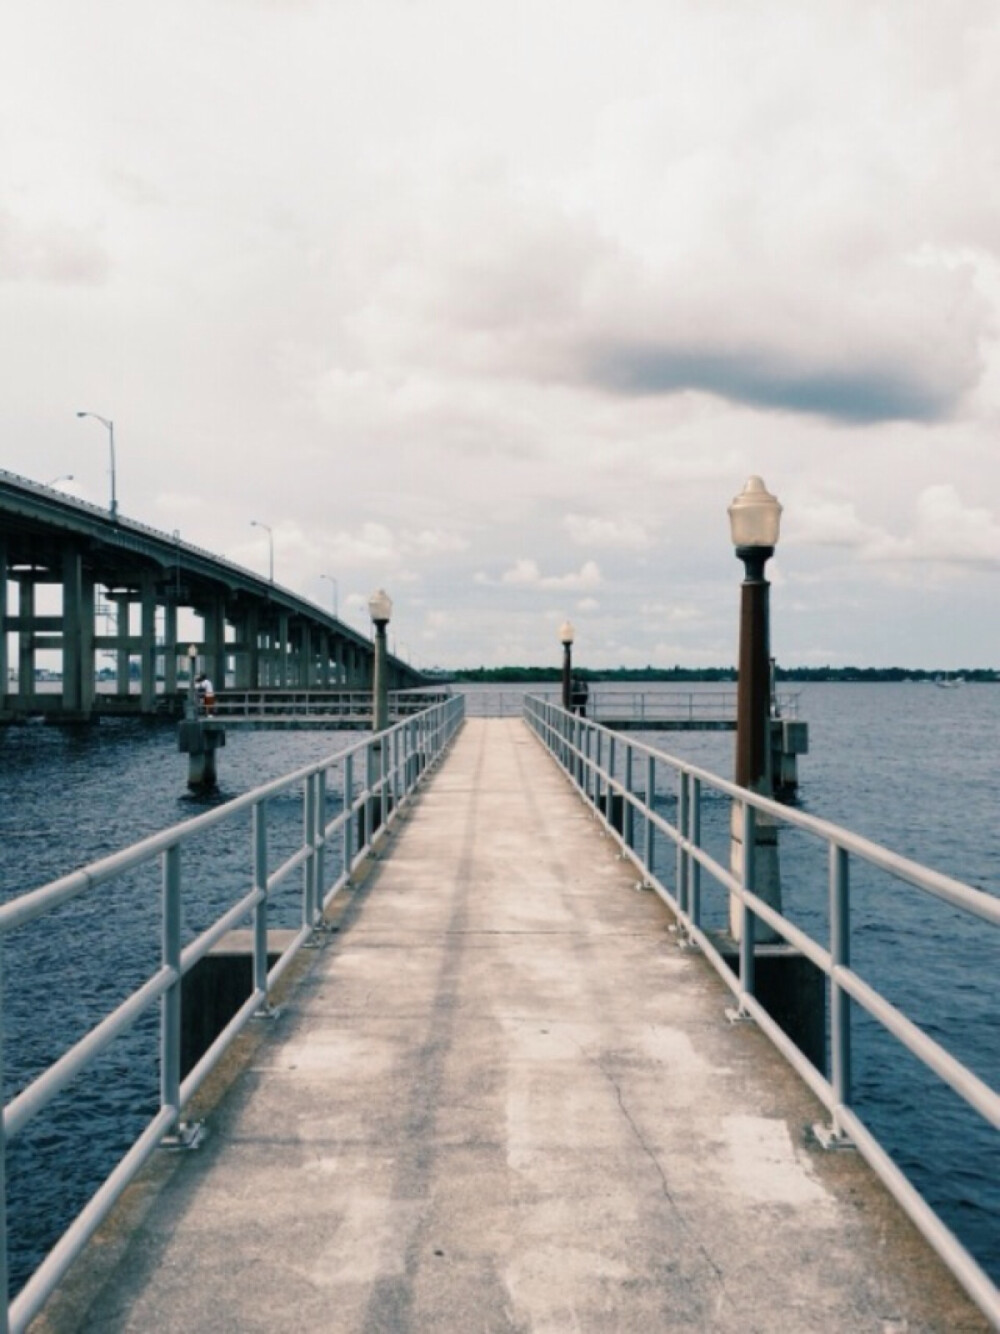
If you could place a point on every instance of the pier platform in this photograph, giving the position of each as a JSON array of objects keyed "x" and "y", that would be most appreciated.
[{"x": 502, "y": 1099}]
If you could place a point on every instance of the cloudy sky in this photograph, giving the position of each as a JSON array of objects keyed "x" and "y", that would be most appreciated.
[{"x": 498, "y": 305}]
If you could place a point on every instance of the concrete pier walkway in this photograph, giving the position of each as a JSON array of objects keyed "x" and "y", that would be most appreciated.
[{"x": 503, "y": 1100}]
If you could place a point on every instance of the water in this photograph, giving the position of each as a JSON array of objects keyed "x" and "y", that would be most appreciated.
[{"x": 909, "y": 766}]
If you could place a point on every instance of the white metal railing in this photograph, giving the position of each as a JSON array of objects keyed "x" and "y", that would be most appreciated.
[
  {"x": 368, "y": 783},
  {"x": 270, "y": 703},
  {"x": 618, "y": 776}
]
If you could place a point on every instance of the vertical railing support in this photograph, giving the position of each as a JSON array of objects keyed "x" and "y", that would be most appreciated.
[
  {"x": 840, "y": 1001},
  {"x": 309, "y": 842},
  {"x": 694, "y": 866},
  {"x": 259, "y": 830},
  {"x": 609, "y": 790},
  {"x": 170, "y": 1004},
  {"x": 627, "y": 811},
  {"x": 320, "y": 828},
  {"x": 647, "y": 854},
  {"x": 683, "y": 821},
  {"x": 747, "y": 919},
  {"x": 347, "y": 799}
]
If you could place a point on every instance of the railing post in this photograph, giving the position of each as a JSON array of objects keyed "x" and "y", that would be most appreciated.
[
  {"x": 320, "y": 826},
  {"x": 647, "y": 856},
  {"x": 627, "y": 811},
  {"x": 309, "y": 841},
  {"x": 747, "y": 919},
  {"x": 683, "y": 820},
  {"x": 609, "y": 794},
  {"x": 694, "y": 866},
  {"x": 347, "y": 805},
  {"x": 840, "y": 957},
  {"x": 170, "y": 1005},
  {"x": 260, "y": 910}
]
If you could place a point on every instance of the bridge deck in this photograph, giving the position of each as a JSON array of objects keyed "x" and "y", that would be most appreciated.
[{"x": 503, "y": 1100}]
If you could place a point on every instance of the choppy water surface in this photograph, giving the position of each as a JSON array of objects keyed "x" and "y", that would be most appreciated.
[{"x": 910, "y": 766}]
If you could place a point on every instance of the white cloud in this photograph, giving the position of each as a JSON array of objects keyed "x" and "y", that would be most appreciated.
[
  {"x": 525, "y": 573},
  {"x": 593, "y": 531}
]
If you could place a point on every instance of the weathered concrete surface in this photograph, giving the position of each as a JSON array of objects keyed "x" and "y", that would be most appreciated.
[{"x": 502, "y": 1100}]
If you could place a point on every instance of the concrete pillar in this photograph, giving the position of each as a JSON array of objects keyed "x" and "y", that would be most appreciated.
[
  {"x": 88, "y": 657},
  {"x": 122, "y": 626},
  {"x": 306, "y": 667},
  {"x": 324, "y": 659},
  {"x": 252, "y": 640},
  {"x": 72, "y": 624},
  {"x": 4, "y": 662},
  {"x": 283, "y": 651},
  {"x": 170, "y": 649},
  {"x": 147, "y": 644},
  {"x": 26, "y": 636},
  {"x": 214, "y": 620}
]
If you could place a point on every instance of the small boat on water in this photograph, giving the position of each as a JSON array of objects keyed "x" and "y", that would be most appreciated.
[{"x": 949, "y": 682}]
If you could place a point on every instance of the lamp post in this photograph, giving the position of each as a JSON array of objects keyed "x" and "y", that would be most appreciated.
[
  {"x": 754, "y": 518},
  {"x": 63, "y": 477},
  {"x": 110, "y": 427},
  {"x": 380, "y": 609},
  {"x": 566, "y": 639},
  {"x": 256, "y": 523},
  {"x": 336, "y": 591}
]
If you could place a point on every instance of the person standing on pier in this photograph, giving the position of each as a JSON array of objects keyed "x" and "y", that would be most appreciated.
[{"x": 206, "y": 692}]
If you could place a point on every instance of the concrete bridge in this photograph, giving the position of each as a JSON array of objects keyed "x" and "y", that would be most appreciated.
[
  {"x": 254, "y": 633},
  {"x": 498, "y": 1096}
]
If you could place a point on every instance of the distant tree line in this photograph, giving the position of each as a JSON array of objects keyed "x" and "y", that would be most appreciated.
[{"x": 516, "y": 675}]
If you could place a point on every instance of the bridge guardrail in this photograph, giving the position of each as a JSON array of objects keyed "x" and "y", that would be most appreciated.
[
  {"x": 612, "y": 771},
  {"x": 373, "y": 779}
]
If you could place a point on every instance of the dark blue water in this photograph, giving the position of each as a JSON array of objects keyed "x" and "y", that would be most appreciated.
[{"x": 909, "y": 766}]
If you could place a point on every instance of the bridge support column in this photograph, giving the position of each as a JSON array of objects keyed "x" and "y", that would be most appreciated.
[
  {"x": 283, "y": 651},
  {"x": 26, "y": 636},
  {"x": 170, "y": 649},
  {"x": 88, "y": 657},
  {"x": 324, "y": 659},
  {"x": 78, "y": 663},
  {"x": 123, "y": 604},
  {"x": 214, "y": 630},
  {"x": 307, "y": 670},
  {"x": 147, "y": 645},
  {"x": 4, "y": 661}
]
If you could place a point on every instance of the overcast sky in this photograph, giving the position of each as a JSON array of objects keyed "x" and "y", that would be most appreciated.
[{"x": 498, "y": 306}]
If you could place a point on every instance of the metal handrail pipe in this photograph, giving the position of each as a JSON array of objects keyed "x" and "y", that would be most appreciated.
[
  {"x": 976, "y": 1283},
  {"x": 33, "y": 1296},
  {"x": 958, "y": 1077},
  {"x": 204, "y": 943},
  {"x": 282, "y": 872},
  {"x": 945, "y": 887},
  {"x": 40, "y": 1092}
]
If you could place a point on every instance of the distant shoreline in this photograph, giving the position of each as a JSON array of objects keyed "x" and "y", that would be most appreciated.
[{"x": 673, "y": 675}]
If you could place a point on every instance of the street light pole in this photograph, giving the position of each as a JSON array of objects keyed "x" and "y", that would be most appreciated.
[
  {"x": 255, "y": 523},
  {"x": 566, "y": 639},
  {"x": 380, "y": 608},
  {"x": 110, "y": 427},
  {"x": 755, "y": 517}
]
